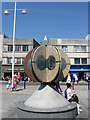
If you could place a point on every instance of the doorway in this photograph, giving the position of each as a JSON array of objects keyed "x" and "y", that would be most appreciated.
[{"x": 81, "y": 75}]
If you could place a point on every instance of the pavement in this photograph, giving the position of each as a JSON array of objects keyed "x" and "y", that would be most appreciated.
[{"x": 9, "y": 99}]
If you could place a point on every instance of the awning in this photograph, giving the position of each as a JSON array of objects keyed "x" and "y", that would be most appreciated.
[{"x": 80, "y": 69}]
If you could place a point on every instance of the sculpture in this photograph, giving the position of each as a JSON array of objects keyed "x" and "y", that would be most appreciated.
[{"x": 47, "y": 64}]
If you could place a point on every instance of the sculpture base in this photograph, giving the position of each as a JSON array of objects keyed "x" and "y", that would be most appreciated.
[
  {"x": 26, "y": 112},
  {"x": 46, "y": 102}
]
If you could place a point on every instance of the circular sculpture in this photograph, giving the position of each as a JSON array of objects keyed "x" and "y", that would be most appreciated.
[
  {"x": 44, "y": 64},
  {"x": 47, "y": 64},
  {"x": 28, "y": 66}
]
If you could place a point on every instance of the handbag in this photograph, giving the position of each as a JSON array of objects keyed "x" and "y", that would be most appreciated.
[{"x": 75, "y": 82}]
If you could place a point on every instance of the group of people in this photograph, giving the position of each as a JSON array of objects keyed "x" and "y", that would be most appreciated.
[
  {"x": 72, "y": 79},
  {"x": 16, "y": 80}
]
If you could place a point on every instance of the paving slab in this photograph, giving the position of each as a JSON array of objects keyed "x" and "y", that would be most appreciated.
[{"x": 8, "y": 107}]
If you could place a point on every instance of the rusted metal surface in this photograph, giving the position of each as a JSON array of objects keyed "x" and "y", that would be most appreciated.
[{"x": 27, "y": 70}]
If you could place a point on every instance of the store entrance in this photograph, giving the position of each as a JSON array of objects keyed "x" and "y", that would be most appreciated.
[
  {"x": 81, "y": 75},
  {"x": 9, "y": 74}
]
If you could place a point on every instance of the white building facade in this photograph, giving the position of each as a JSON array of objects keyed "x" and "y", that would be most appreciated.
[
  {"x": 22, "y": 47},
  {"x": 78, "y": 51}
]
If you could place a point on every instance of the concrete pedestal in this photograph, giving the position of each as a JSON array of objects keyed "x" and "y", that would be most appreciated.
[{"x": 46, "y": 102}]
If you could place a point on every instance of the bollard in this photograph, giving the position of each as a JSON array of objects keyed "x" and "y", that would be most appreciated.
[
  {"x": 72, "y": 85},
  {"x": 24, "y": 83},
  {"x": 88, "y": 84}
]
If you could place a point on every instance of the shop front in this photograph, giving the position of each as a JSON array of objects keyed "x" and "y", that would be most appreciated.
[
  {"x": 7, "y": 71},
  {"x": 81, "y": 70}
]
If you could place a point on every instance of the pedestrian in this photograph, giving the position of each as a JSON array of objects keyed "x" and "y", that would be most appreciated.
[
  {"x": 25, "y": 79},
  {"x": 72, "y": 81},
  {"x": 29, "y": 79},
  {"x": 87, "y": 78},
  {"x": 8, "y": 86},
  {"x": 76, "y": 79},
  {"x": 69, "y": 78},
  {"x": 3, "y": 78},
  {"x": 15, "y": 81},
  {"x": 6, "y": 78},
  {"x": 59, "y": 88},
  {"x": 19, "y": 78}
]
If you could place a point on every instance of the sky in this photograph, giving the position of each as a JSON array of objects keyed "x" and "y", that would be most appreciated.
[{"x": 54, "y": 19}]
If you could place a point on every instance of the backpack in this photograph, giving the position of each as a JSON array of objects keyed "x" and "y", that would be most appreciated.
[
  {"x": 66, "y": 93},
  {"x": 75, "y": 98}
]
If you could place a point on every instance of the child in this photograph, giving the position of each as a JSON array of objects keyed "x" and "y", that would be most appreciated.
[{"x": 9, "y": 84}]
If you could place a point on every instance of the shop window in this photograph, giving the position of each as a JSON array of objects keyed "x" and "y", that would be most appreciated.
[
  {"x": 77, "y": 60},
  {"x": 10, "y": 48},
  {"x": 84, "y": 60},
  {"x": 25, "y": 47}
]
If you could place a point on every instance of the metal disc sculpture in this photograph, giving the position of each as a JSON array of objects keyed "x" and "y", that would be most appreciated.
[{"x": 47, "y": 64}]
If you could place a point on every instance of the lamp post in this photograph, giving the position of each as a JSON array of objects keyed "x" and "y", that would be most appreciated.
[{"x": 7, "y": 13}]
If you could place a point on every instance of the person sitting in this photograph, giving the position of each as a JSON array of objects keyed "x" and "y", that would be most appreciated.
[
  {"x": 72, "y": 97},
  {"x": 69, "y": 78},
  {"x": 69, "y": 92}
]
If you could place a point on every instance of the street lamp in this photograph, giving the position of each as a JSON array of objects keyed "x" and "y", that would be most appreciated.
[{"x": 7, "y": 13}]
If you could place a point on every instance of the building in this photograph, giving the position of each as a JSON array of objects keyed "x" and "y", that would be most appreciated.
[
  {"x": 22, "y": 47},
  {"x": 78, "y": 50}
]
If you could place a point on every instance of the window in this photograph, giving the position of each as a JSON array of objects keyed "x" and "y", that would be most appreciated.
[
  {"x": 8, "y": 60},
  {"x": 84, "y": 60},
  {"x": 83, "y": 48},
  {"x": 25, "y": 47},
  {"x": 18, "y": 61},
  {"x": 10, "y": 48},
  {"x": 22, "y": 60},
  {"x": 64, "y": 48},
  {"x": 77, "y": 60},
  {"x": 77, "y": 48},
  {"x": 17, "y": 47}
]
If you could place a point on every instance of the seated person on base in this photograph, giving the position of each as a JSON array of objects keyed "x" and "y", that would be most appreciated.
[{"x": 72, "y": 97}]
